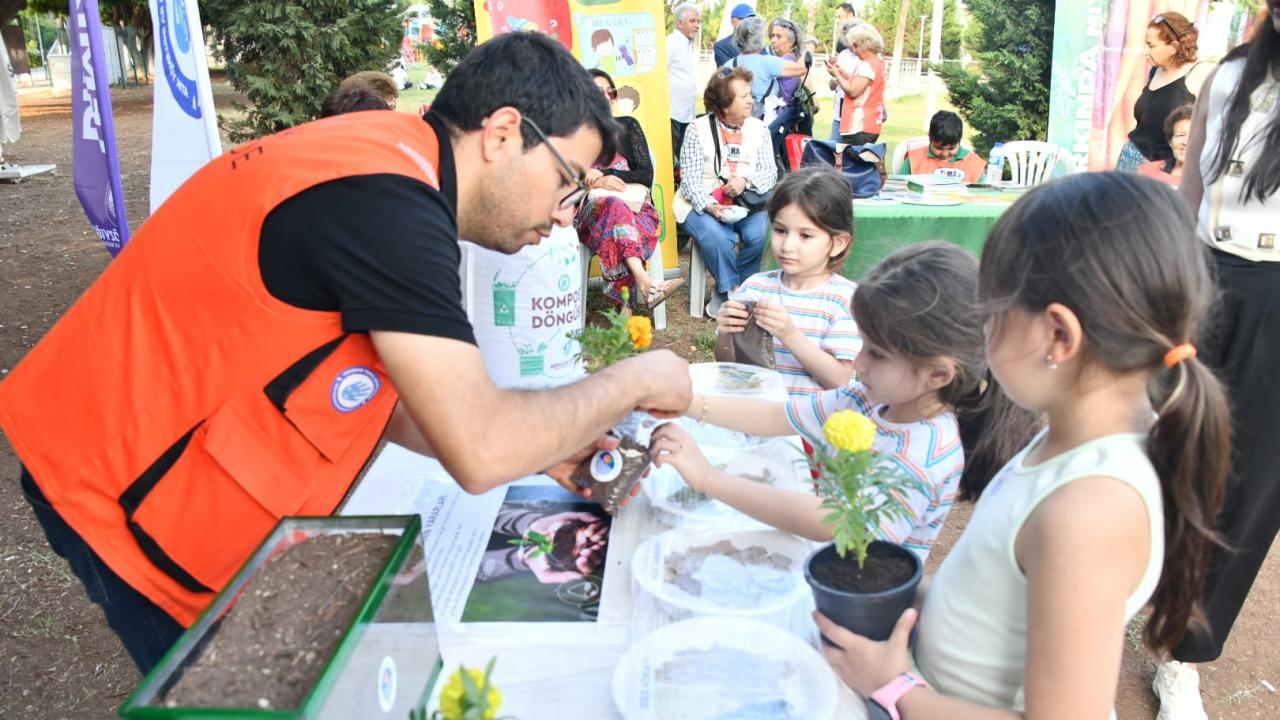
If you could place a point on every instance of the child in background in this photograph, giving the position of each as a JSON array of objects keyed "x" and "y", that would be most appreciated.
[
  {"x": 1095, "y": 285},
  {"x": 921, "y": 380},
  {"x": 805, "y": 304}
]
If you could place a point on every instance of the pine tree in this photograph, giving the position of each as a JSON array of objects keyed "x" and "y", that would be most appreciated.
[
  {"x": 1009, "y": 100},
  {"x": 285, "y": 57},
  {"x": 454, "y": 32}
]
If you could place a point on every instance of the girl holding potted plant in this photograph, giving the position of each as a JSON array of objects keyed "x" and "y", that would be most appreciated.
[
  {"x": 921, "y": 381},
  {"x": 1095, "y": 285}
]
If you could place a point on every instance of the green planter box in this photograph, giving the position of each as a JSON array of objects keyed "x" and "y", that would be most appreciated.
[{"x": 385, "y": 664}]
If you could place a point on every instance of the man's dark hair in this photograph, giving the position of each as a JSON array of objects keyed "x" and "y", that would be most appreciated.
[
  {"x": 847, "y": 8},
  {"x": 945, "y": 128},
  {"x": 533, "y": 74}
]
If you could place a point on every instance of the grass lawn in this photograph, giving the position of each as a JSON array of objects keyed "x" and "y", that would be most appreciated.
[{"x": 410, "y": 100}]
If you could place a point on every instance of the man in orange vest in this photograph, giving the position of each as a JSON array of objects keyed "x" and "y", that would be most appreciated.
[
  {"x": 293, "y": 303},
  {"x": 944, "y": 150}
]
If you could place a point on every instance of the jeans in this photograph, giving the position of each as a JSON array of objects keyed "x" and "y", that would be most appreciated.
[
  {"x": 146, "y": 631},
  {"x": 717, "y": 242},
  {"x": 789, "y": 121}
]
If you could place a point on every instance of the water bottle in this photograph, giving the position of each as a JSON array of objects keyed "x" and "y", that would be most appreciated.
[{"x": 995, "y": 164}]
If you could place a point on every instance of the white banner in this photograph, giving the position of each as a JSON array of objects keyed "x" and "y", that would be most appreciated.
[
  {"x": 185, "y": 132},
  {"x": 10, "y": 126}
]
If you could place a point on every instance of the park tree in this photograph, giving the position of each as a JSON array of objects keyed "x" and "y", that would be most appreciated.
[
  {"x": 1009, "y": 98},
  {"x": 285, "y": 57},
  {"x": 453, "y": 32},
  {"x": 884, "y": 16}
]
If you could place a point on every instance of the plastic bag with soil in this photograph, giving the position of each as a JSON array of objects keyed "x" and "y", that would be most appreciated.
[
  {"x": 752, "y": 346},
  {"x": 610, "y": 474}
]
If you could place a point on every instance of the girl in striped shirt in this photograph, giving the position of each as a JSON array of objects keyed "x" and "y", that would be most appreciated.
[
  {"x": 805, "y": 304},
  {"x": 923, "y": 380}
]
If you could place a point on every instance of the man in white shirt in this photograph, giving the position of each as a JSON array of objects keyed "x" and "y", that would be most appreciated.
[{"x": 680, "y": 68}]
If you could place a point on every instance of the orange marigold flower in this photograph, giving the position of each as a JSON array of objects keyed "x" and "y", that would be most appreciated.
[{"x": 641, "y": 331}]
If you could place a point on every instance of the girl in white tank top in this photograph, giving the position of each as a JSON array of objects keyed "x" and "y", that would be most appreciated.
[{"x": 1094, "y": 284}]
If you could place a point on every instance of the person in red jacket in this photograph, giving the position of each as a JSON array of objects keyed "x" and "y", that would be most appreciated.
[{"x": 242, "y": 357}]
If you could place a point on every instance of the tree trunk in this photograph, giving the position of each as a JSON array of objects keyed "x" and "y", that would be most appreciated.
[
  {"x": 811, "y": 19},
  {"x": 9, "y": 10},
  {"x": 898, "y": 37}
]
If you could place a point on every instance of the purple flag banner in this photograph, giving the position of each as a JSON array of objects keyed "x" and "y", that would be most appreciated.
[{"x": 94, "y": 161}]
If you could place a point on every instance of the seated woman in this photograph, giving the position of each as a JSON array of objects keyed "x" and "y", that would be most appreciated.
[
  {"x": 623, "y": 238},
  {"x": 726, "y": 153},
  {"x": 1177, "y": 128}
]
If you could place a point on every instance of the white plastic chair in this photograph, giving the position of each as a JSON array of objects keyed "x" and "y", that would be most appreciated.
[
  {"x": 697, "y": 281},
  {"x": 904, "y": 147},
  {"x": 657, "y": 271},
  {"x": 1031, "y": 162}
]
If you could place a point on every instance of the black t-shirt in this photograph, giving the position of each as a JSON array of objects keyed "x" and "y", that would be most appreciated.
[
  {"x": 382, "y": 250},
  {"x": 1151, "y": 110}
]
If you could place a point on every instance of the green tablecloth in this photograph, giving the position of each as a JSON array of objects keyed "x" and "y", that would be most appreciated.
[{"x": 881, "y": 228}]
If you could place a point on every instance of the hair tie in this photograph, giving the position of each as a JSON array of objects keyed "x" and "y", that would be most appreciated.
[{"x": 1185, "y": 351}]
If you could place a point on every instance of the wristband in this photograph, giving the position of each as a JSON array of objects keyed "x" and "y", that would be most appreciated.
[
  {"x": 887, "y": 697},
  {"x": 702, "y": 416}
]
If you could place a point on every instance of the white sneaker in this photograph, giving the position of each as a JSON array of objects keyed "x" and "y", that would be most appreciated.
[
  {"x": 1178, "y": 687},
  {"x": 713, "y": 307}
]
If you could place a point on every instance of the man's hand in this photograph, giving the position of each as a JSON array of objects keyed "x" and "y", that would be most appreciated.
[
  {"x": 562, "y": 472},
  {"x": 663, "y": 379}
]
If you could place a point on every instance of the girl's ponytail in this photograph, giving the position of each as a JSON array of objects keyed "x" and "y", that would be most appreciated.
[
  {"x": 992, "y": 430},
  {"x": 1190, "y": 447}
]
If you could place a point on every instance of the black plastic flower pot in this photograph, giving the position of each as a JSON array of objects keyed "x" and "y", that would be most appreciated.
[{"x": 870, "y": 614}]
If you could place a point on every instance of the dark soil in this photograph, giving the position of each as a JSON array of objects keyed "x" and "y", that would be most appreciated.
[
  {"x": 270, "y": 649},
  {"x": 884, "y": 569},
  {"x": 635, "y": 460}
]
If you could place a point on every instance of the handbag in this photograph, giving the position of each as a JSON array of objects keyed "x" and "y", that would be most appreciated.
[
  {"x": 859, "y": 164},
  {"x": 752, "y": 200}
]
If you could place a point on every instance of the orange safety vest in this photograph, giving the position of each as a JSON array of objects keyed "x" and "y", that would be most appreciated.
[
  {"x": 178, "y": 410},
  {"x": 923, "y": 164},
  {"x": 866, "y": 116}
]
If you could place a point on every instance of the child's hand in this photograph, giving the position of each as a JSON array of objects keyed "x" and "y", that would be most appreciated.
[
  {"x": 775, "y": 319},
  {"x": 673, "y": 445},
  {"x": 732, "y": 317},
  {"x": 866, "y": 665}
]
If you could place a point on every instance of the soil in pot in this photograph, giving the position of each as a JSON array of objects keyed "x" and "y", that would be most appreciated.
[
  {"x": 883, "y": 570},
  {"x": 268, "y": 651}
]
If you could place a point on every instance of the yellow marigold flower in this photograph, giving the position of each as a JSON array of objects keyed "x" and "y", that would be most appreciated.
[
  {"x": 641, "y": 331},
  {"x": 453, "y": 696},
  {"x": 849, "y": 430}
]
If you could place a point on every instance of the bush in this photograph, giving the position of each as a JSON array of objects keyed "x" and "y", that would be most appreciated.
[
  {"x": 287, "y": 56},
  {"x": 1010, "y": 99}
]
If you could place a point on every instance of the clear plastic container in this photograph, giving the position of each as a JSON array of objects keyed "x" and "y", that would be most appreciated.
[{"x": 384, "y": 666}]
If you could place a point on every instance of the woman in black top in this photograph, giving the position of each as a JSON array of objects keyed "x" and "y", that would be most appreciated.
[{"x": 1171, "y": 48}]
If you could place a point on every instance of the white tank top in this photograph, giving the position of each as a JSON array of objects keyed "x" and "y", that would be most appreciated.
[
  {"x": 972, "y": 642},
  {"x": 1227, "y": 222}
]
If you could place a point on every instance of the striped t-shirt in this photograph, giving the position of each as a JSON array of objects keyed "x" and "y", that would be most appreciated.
[
  {"x": 928, "y": 449},
  {"x": 824, "y": 314}
]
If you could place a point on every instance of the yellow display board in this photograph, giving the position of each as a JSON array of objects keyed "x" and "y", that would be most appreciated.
[{"x": 625, "y": 38}]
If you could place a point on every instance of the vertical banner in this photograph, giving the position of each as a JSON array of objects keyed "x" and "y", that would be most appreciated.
[
  {"x": 625, "y": 38},
  {"x": 10, "y": 122},
  {"x": 184, "y": 133},
  {"x": 1100, "y": 67},
  {"x": 94, "y": 161}
]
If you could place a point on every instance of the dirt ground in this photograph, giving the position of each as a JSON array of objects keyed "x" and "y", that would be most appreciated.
[{"x": 57, "y": 657}]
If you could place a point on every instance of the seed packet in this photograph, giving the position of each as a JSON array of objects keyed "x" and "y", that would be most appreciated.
[{"x": 611, "y": 474}]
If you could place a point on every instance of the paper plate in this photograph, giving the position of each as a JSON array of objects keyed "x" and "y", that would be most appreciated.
[
  {"x": 748, "y": 573},
  {"x": 706, "y": 668},
  {"x": 679, "y": 503}
]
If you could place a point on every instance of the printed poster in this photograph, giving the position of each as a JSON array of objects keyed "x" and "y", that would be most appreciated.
[
  {"x": 1100, "y": 67},
  {"x": 625, "y": 38}
]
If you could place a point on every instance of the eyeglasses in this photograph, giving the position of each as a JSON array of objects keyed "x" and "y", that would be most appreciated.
[
  {"x": 578, "y": 195},
  {"x": 1162, "y": 20}
]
